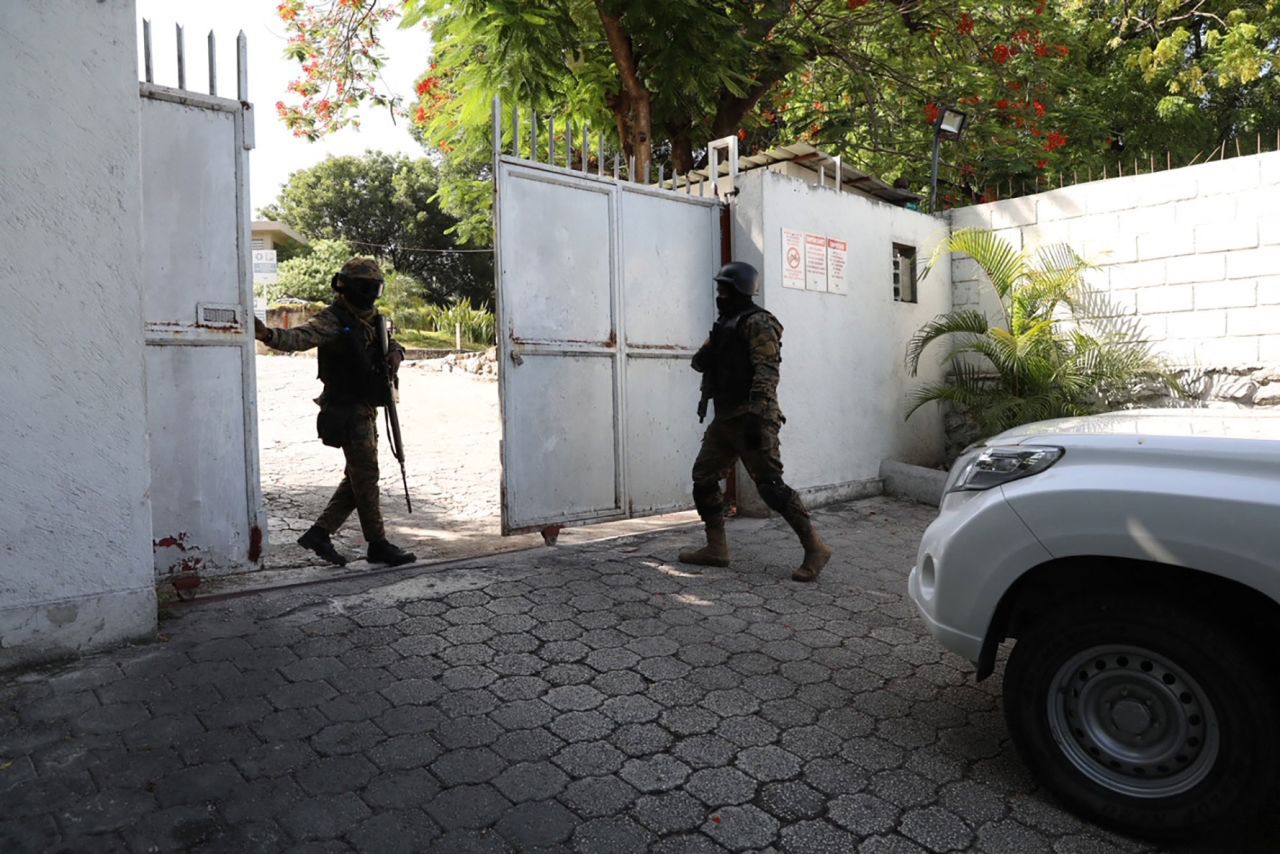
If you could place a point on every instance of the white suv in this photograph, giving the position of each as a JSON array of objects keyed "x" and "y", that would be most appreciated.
[{"x": 1135, "y": 557}]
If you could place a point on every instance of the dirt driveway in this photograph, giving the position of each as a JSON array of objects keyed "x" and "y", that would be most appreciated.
[{"x": 451, "y": 430}]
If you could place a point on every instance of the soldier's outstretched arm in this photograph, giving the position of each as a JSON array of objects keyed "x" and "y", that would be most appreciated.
[
  {"x": 325, "y": 326},
  {"x": 764, "y": 343}
]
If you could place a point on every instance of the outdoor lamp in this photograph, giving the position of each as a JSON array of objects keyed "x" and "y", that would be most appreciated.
[{"x": 949, "y": 125}]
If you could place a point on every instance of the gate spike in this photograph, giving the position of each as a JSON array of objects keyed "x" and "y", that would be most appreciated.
[
  {"x": 586, "y": 150},
  {"x": 515, "y": 130},
  {"x": 600, "y": 154},
  {"x": 631, "y": 168},
  {"x": 533, "y": 136},
  {"x": 551, "y": 140},
  {"x": 496, "y": 120},
  {"x": 617, "y": 166},
  {"x": 146, "y": 50},
  {"x": 242, "y": 67},
  {"x": 568, "y": 144},
  {"x": 182, "y": 58},
  {"x": 213, "y": 65}
]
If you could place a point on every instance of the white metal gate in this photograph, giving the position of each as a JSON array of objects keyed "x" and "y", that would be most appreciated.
[
  {"x": 207, "y": 513},
  {"x": 604, "y": 293}
]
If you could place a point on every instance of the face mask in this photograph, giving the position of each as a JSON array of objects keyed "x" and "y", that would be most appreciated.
[
  {"x": 732, "y": 304},
  {"x": 362, "y": 293}
]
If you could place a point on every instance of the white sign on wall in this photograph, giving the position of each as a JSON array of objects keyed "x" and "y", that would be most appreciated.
[
  {"x": 815, "y": 262},
  {"x": 837, "y": 254},
  {"x": 264, "y": 266},
  {"x": 792, "y": 259}
]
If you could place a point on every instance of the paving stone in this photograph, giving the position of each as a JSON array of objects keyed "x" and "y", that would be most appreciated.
[
  {"x": 395, "y": 831},
  {"x": 345, "y": 738},
  {"x": 531, "y": 781},
  {"x": 405, "y": 751},
  {"x": 527, "y": 745},
  {"x": 271, "y": 759},
  {"x": 262, "y": 800},
  {"x": 336, "y": 774},
  {"x": 523, "y": 714},
  {"x": 718, "y": 787},
  {"x": 538, "y": 823},
  {"x": 114, "y": 718},
  {"x": 324, "y": 817},
  {"x": 467, "y": 807},
  {"x": 657, "y": 774},
  {"x": 575, "y": 698},
  {"x": 618, "y": 683},
  {"x": 687, "y": 843},
  {"x": 936, "y": 829},
  {"x": 410, "y": 789},
  {"x": 472, "y": 731},
  {"x": 408, "y": 720},
  {"x": 891, "y": 845},
  {"x": 768, "y": 763},
  {"x": 748, "y": 731},
  {"x": 106, "y": 811},
  {"x": 641, "y": 739},
  {"x": 864, "y": 814},
  {"x": 741, "y": 827},
  {"x": 671, "y": 812},
  {"x": 1007, "y": 837},
  {"x": 417, "y": 692},
  {"x": 631, "y": 709},
  {"x": 592, "y": 797},
  {"x": 792, "y": 801},
  {"x": 582, "y": 726},
  {"x": 616, "y": 835},
  {"x": 467, "y": 765},
  {"x": 198, "y": 784},
  {"x": 185, "y": 828},
  {"x": 590, "y": 759},
  {"x": 468, "y": 702},
  {"x": 689, "y": 720}
]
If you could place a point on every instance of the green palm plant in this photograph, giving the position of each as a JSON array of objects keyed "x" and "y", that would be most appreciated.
[{"x": 1063, "y": 350}]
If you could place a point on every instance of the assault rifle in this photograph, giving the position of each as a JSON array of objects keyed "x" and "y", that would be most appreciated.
[
  {"x": 393, "y": 417},
  {"x": 701, "y": 364}
]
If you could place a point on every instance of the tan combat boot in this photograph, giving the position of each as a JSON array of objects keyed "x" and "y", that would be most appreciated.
[
  {"x": 714, "y": 553},
  {"x": 816, "y": 555}
]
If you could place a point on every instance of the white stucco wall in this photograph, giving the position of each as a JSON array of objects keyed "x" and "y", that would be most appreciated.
[
  {"x": 75, "y": 521},
  {"x": 1195, "y": 252},
  {"x": 844, "y": 385}
]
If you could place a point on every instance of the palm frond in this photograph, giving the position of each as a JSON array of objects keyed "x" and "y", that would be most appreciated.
[{"x": 968, "y": 321}]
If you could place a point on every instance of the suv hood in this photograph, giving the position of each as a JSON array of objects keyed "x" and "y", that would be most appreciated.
[{"x": 1202, "y": 423}]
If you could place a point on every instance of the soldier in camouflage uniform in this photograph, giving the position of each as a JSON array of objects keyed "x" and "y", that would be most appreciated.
[
  {"x": 355, "y": 384},
  {"x": 739, "y": 363}
]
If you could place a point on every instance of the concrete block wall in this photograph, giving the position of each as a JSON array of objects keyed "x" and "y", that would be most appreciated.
[{"x": 1193, "y": 252}]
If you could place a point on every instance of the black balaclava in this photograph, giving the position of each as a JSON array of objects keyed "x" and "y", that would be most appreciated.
[
  {"x": 362, "y": 293},
  {"x": 732, "y": 302}
]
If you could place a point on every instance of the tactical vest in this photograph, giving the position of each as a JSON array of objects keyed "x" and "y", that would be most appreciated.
[
  {"x": 732, "y": 371},
  {"x": 351, "y": 364}
]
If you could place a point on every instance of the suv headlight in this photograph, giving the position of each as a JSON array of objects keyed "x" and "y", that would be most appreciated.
[{"x": 985, "y": 468}]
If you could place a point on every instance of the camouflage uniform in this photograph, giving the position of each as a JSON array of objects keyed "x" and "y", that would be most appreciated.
[
  {"x": 741, "y": 360},
  {"x": 344, "y": 421}
]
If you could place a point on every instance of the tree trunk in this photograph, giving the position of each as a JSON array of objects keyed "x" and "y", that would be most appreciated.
[
  {"x": 632, "y": 112},
  {"x": 681, "y": 151}
]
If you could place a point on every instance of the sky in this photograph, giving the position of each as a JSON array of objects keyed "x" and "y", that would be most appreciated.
[{"x": 278, "y": 152}]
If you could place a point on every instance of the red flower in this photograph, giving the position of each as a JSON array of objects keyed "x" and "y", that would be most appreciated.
[
  {"x": 1040, "y": 8},
  {"x": 965, "y": 25},
  {"x": 742, "y": 134},
  {"x": 1042, "y": 49},
  {"x": 931, "y": 113},
  {"x": 423, "y": 86},
  {"x": 1001, "y": 54},
  {"x": 1022, "y": 36},
  {"x": 1002, "y": 104},
  {"x": 280, "y": 108},
  {"x": 1063, "y": 50},
  {"x": 854, "y": 4},
  {"x": 1015, "y": 85},
  {"x": 286, "y": 12},
  {"x": 421, "y": 116},
  {"x": 1040, "y": 164},
  {"x": 1039, "y": 107}
]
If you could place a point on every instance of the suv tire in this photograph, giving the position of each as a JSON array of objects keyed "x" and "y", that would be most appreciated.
[{"x": 1144, "y": 716}]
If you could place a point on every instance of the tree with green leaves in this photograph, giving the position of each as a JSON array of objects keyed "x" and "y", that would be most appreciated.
[
  {"x": 385, "y": 206},
  {"x": 306, "y": 276},
  {"x": 1058, "y": 349}
]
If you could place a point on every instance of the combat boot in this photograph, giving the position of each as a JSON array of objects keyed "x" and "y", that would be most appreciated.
[
  {"x": 816, "y": 555},
  {"x": 714, "y": 553},
  {"x": 381, "y": 551},
  {"x": 816, "y": 552},
  {"x": 317, "y": 539}
]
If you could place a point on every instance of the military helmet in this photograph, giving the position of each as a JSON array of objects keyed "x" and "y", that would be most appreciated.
[
  {"x": 361, "y": 268},
  {"x": 741, "y": 276}
]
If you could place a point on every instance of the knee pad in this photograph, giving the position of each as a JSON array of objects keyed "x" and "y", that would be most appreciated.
[
  {"x": 707, "y": 499},
  {"x": 776, "y": 494}
]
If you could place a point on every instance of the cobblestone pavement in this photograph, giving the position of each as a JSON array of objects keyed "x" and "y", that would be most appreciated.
[{"x": 597, "y": 698}]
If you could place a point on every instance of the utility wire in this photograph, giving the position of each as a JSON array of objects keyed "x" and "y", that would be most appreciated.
[{"x": 418, "y": 248}]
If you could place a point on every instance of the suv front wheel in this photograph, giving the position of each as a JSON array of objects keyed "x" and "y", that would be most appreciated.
[{"x": 1144, "y": 716}]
